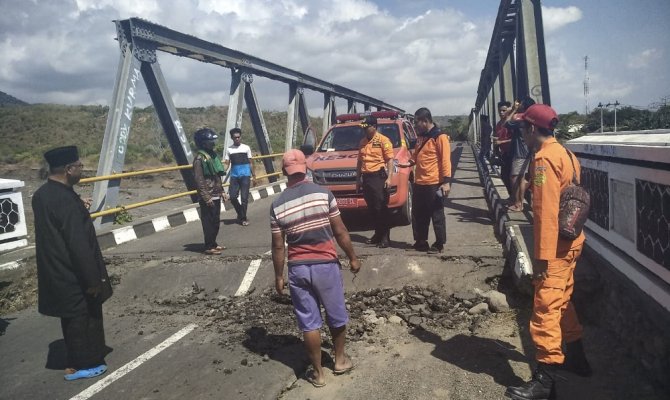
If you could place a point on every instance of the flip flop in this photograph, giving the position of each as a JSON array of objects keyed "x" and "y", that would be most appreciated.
[
  {"x": 310, "y": 378},
  {"x": 343, "y": 371},
  {"x": 515, "y": 209},
  {"x": 87, "y": 373}
]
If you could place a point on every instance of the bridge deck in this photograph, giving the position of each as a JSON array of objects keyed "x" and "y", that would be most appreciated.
[{"x": 249, "y": 348}]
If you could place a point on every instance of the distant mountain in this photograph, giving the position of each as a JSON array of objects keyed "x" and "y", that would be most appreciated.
[{"x": 7, "y": 100}]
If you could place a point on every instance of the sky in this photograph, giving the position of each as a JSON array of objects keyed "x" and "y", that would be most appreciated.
[{"x": 408, "y": 53}]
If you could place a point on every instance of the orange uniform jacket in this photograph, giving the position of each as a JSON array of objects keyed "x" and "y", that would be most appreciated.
[
  {"x": 433, "y": 161},
  {"x": 551, "y": 172},
  {"x": 375, "y": 153}
]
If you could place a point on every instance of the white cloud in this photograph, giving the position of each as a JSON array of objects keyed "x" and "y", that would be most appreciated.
[
  {"x": 432, "y": 58},
  {"x": 644, "y": 58},
  {"x": 554, "y": 18}
]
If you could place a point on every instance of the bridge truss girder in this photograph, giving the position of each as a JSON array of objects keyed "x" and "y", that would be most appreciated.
[
  {"x": 139, "y": 40},
  {"x": 516, "y": 64}
]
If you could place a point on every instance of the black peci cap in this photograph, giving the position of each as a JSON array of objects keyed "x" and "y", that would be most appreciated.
[{"x": 61, "y": 156}]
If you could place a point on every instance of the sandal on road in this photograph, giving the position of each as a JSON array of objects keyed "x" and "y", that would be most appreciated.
[
  {"x": 86, "y": 373},
  {"x": 309, "y": 377}
]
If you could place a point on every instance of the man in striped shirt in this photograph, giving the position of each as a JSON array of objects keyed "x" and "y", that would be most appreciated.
[{"x": 306, "y": 216}]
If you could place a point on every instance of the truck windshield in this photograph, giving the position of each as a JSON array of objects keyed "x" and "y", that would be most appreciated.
[{"x": 344, "y": 138}]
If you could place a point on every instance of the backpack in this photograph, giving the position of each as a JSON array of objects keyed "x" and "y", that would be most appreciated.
[{"x": 573, "y": 208}]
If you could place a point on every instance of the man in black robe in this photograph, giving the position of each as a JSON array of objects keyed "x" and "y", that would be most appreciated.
[{"x": 72, "y": 278}]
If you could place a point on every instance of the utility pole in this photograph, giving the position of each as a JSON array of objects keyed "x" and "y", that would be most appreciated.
[
  {"x": 586, "y": 85},
  {"x": 615, "y": 104},
  {"x": 600, "y": 106}
]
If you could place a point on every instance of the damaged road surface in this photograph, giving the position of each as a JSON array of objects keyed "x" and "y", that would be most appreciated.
[{"x": 182, "y": 325}]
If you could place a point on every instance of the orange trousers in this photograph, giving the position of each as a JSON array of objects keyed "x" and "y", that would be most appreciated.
[{"x": 554, "y": 318}]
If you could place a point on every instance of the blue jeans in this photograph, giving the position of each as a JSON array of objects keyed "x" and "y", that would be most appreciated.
[{"x": 239, "y": 185}]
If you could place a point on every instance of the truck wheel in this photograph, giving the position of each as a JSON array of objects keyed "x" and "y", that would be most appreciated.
[{"x": 405, "y": 216}]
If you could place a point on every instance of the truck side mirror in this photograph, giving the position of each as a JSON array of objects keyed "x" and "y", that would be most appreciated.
[{"x": 307, "y": 149}]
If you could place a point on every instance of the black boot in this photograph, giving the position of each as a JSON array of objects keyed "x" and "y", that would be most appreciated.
[
  {"x": 540, "y": 387},
  {"x": 385, "y": 240},
  {"x": 375, "y": 239},
  {"x": 575, "y": 359}
]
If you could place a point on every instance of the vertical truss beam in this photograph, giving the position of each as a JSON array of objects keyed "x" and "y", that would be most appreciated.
[
  {"x": 508, "y": 84},
  {"x": 329, "y": 112},
  {"x": 351, "y": 106},
  {"x": 235, "y": 106},
  {"x": 291, "y": 116},
  {"x": 258, "y": 123},
  {"x": 117, "y": 130},
  {"x": 537, "y": 80}
]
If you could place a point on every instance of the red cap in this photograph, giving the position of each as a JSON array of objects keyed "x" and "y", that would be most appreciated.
[
  {"x": 539, "y": 115},
  {"x": 294, "y": 162}
]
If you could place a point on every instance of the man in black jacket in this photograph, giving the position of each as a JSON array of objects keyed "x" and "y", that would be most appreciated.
[{"x": 72, "y": 277}]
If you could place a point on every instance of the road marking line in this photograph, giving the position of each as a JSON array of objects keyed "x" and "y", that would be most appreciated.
[
  {"x": 109, "y": 379},
  {"x": 248, "y": 277}
]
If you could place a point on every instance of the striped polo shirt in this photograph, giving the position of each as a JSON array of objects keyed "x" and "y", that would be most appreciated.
[{"x": 303, "y": 213}]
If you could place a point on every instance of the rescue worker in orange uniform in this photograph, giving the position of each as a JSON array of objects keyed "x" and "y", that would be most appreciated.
[
  {"x": 374, "y": 173},
  {"x": 432, "y": 182},
  {"x": 554, "y": 320}
]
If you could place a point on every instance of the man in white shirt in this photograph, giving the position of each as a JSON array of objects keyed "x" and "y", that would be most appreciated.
[{"x": 241, "y": 173}]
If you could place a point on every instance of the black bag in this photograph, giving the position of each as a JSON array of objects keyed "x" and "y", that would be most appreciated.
[{"x": 573, "y": 209}]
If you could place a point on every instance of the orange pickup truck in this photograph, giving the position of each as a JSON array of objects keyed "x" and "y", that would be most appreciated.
[{"x": 333, "y": 162}]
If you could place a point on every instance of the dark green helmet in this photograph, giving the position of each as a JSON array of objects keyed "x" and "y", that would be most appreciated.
[{"x": 203, "y": 135}]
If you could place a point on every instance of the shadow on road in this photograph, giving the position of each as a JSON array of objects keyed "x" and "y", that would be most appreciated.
[
  {"x": 4, "y": 323},
  {"x": 475, "y": 354},
  {"x": 194, "y": 247},
  {"x": 57, "y": 355},
  {"x": 286, "y": 349}
]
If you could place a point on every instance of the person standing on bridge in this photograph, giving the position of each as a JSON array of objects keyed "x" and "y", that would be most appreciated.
[
  {"x": 208, "y": 170},
  {"x": 374, "y": 172},
  {"x": 306, "y": 216},
  {"x": 241, "y": 173},
  {"x": 71, "y": 274},
  {"x": 432, "y": 182},
  {"x": 554, "y": 319}
]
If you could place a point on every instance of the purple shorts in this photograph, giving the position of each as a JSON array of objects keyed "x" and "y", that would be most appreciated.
[{"x": 315, "y": 285}]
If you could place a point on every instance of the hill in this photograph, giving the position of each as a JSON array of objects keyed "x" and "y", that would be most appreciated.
[
  {"x": 8, "y": 100},
  {"x": 27, "y": 132}
]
